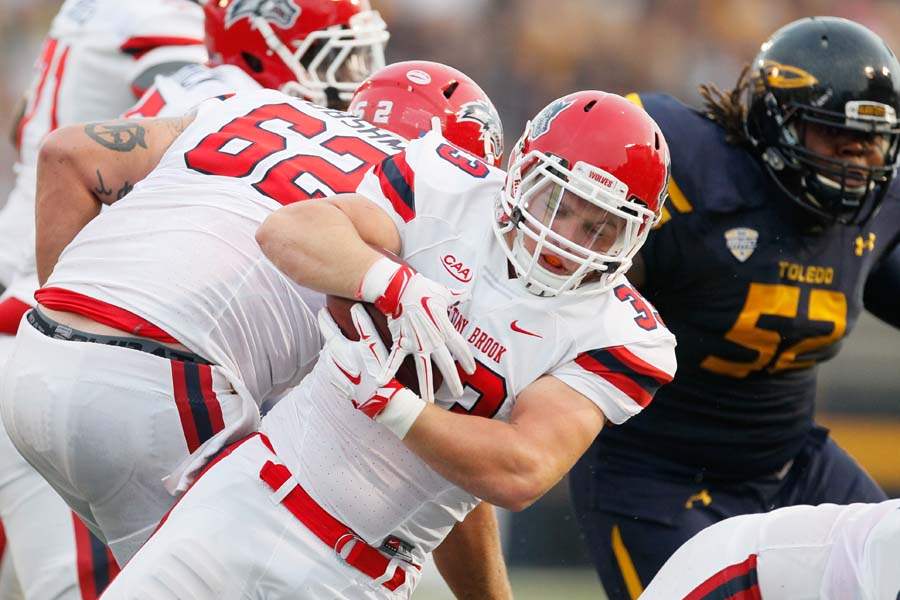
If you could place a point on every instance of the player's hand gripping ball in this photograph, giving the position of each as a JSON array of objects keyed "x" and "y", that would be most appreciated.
[
  {"x": 417, "y": 316},
  {"x": 339, "y": 310},
  {"x": 355, "y": 364}
]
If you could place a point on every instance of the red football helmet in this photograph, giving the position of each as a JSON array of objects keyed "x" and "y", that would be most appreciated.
[
  {"x": 405, "y": 96},
  {"x": 586, "y": 182},
  {"x": 301, "y": 47}
]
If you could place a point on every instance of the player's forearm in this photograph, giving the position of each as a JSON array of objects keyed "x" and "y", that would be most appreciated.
[
  {"x": 63, "y": 203},
  {"x": 485, "y": 457},
  {"x": 317, "y": 245},
  {"x": 470, "y": 559}
]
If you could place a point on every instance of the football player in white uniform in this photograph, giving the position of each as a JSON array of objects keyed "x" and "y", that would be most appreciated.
[
  {"x": 97, "y": 58},
  {"x": 828, "y": 551},
  {"x": 354, "y": 479},
  {"x": 173, "y": 270},
  {"x": 255, "y": 44}
]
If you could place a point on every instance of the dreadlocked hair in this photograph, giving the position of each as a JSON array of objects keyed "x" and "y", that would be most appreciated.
[{"x": 727, "y": 108}]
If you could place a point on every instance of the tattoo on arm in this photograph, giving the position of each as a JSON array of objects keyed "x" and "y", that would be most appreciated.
[
  {"x": 123, "y": 191},
  {"x": 119, "y": 136},
  {"x": 101, "y": 189}
]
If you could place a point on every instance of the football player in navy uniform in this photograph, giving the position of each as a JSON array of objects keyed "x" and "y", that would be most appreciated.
[{"x": 783, "y": 225}]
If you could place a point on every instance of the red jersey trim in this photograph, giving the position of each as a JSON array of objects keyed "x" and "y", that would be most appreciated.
[
  {"x": 11, "y": 312},
  {"x": 60, "y": 71},
  {"x": 397, "y": 182},
  {"x": 148, "y": 106},
  {"x": 101, "y": 312},
  {"x": 47, "y": 54},
  {"x": 735, "y": 582},
  {"x": 138, "y": 46},
  {"x": 630, "y": 374}
]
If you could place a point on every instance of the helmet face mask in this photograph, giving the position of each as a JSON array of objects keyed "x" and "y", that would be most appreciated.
[
  {"x": 802, "y": 93},
  {"x": 340, "y": 57},
  {"x": 570, "y": 226},
  {"x": 319, "y": 50},
  {"x": 567, "y": 231}
]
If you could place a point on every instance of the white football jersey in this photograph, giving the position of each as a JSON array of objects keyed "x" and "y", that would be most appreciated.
[
  {"x": 610, "y": 348},
  {"x": 94, "y": 52},
  {"x": 85, "y": 72},
  {"x": 176, "y": 94},
  {"x": 180, "y": 250}
]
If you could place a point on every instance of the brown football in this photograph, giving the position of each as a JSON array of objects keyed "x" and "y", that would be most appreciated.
[{"x": 340, "y": 311}]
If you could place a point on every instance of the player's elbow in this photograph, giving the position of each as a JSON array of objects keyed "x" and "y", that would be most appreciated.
[
  {"x": 58, "y": 150},
  {"x": 273, "y": 236},
  {"x": 523, "y": 484}
]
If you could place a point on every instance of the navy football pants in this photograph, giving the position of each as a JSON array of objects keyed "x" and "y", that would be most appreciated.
[{"x": 632, "y": 522}]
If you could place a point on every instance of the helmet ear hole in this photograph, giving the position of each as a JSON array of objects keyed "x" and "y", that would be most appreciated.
[
  {"x": 451, "y": 87},
  {"x": 253, "y": 62},
  {"x": 590, "y": 105}
]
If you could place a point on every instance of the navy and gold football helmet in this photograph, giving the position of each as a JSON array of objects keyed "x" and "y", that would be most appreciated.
[{"x": 835, "y": 78}]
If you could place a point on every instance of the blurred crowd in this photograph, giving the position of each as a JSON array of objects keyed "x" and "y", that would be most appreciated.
[{"x": 525, "y": 52}]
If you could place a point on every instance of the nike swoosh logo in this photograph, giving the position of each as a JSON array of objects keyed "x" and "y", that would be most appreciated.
[
  {"x": 425, "y": 300},
  {"x": 514, "y": 326},
  {"x": 355, "y": 380}
]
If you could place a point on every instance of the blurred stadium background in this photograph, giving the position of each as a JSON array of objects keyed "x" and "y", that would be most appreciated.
[{"x": 527, "y": 52}]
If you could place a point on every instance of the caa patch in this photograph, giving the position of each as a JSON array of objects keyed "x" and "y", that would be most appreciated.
[
  {"x": 282, "y": 13},
  {"x": 542, "y": 122},
  {"x": 741, "y": 241}
]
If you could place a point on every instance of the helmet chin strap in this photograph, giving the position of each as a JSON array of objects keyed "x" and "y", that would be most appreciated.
[{"x": 333, "y": 98}]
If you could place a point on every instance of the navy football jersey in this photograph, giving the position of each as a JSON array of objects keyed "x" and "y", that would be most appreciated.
[{"x": 755, "y": 299}]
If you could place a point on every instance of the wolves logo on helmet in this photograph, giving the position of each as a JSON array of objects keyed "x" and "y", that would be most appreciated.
[
  {"x": 541, "y": 123},
  {"x": 283, "y": 13},
  {"x": 485, "y": 115}
]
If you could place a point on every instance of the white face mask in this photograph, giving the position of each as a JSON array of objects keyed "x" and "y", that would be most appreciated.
[
  {"x": 338, "y": 57},
  {"x": 568, "y": 231}
]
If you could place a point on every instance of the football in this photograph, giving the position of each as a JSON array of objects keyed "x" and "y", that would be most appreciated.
[{"x": 340, "y": 311}]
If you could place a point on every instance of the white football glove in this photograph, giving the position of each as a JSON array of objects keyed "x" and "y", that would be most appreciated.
[
  {"x": 416, "y": 309},
  {"x": 353, "y": 368}
]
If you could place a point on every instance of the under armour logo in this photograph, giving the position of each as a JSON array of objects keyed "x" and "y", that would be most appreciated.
[
  {"x": 863, "y": 244},
  {"x": 702, "y": 497}
]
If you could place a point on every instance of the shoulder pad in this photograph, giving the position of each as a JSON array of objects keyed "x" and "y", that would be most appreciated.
[{"x": 708, "y": 173}]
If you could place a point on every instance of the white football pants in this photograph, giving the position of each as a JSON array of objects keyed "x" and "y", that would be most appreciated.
[
  {"x": 229, "y": 538},
  {"x": 105, "y": 425},
  {"x": 832, "y": 552},
  {"x": 49, "y": 553}
]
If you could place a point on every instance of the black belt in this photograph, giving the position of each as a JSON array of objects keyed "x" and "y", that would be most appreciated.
[{"x": 58, "y": 331}]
